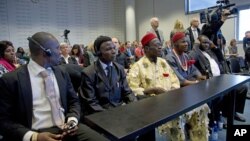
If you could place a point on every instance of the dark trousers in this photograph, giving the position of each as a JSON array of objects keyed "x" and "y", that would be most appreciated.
[
  {"x": 240, "y": 100},
  {"x": 84, "y": 133},
  {"x": 221, "y": 104}
]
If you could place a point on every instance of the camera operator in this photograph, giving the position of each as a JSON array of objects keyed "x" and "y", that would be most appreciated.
[
  {"x": 213, "y": 32},
  {"x": 246, "y": 41}
]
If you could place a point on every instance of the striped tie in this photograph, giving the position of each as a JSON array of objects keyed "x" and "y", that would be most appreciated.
[{"x": 56, "y": 109}]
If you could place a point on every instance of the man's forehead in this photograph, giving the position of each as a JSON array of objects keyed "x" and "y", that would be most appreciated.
[{"x": 107, "y": 43}]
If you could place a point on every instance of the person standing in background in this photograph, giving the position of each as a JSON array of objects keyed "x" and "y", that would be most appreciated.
[
  {"x": 194, "y": 30},
  {"x": 155, "y": 24}
]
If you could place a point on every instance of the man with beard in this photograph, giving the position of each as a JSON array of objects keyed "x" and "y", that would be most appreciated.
[{"x": 207, "y": 62}]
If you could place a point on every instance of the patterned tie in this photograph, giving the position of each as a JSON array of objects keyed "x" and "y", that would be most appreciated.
[{"x": 56, "y": 109}]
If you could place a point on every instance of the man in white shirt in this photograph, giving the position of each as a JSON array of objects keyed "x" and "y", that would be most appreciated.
[
  {"x": 208, "y": 64},
  {"x": 194, "y": 30},
  {"x": 38, "y": 102}
]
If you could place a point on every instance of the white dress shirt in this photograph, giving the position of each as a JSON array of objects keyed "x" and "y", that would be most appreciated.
[
  {"x": 195, "y": 33},
  {"x": 214, "y": 66},
  {"x": 41, "y": 114}
]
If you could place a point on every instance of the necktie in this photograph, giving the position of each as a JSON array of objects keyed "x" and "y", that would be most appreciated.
[
  {"x": 109, "y": 73},
  {"x": 56, "y": 109},
  {"x": 158, "y": 35}
]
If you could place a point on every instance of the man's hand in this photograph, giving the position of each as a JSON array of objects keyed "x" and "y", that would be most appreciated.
[
  {"x": 201, "y": 77},
  {"x": 46, "y": 136},
  {"x": 156, "y": 90},
  {"x": 225, "y": 14},
  {"x": 159, "y": 90},
  {"x": 70, "y": 128}
]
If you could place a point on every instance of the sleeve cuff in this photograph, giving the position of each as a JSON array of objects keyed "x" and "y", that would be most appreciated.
[
  {"x": 27, "y": 136},
  {"x": 73, "y": 118},
  {"x": 138, "y": 91}
]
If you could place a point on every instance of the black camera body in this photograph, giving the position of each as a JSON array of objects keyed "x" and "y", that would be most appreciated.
[
  {"x": 213, "y": 14},
  {"x": 65, "y": 33}
]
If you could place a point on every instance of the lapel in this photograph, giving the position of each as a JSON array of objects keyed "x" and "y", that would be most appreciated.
[
  {"x": 61, "y": 86},
  {"x": 101, "y": 74},
  {"x": 63, "y": 60},
  {"x": 26, "y": 92}
]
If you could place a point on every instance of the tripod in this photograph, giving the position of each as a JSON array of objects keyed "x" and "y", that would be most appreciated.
[{"x": 66, "y": 39}]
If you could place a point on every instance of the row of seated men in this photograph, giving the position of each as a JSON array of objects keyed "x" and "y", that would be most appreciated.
[{"x": 39, "y": 103}]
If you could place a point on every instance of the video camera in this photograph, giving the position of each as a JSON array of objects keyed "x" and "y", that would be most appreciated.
[
  {"x": 214, "y": 13},
  {"x": 65, "y": 33}
]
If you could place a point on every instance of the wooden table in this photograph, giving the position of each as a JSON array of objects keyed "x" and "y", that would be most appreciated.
[{"x": 127, "y": 122}]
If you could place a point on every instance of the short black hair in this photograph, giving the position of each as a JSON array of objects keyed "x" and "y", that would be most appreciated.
[
  {"x": 99, "y": 40},
  {"x": 3, "y": 46}
]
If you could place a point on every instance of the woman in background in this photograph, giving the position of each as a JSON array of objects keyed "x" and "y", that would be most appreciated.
[
  {"x": 7, "y": 57},
  {"x": 77, "y": 54}
]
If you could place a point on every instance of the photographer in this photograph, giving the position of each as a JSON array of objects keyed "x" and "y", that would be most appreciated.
[{"x": 246, "y": 41}]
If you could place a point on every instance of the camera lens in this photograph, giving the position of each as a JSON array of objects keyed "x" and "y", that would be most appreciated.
[{"x": 234, "y": 11}]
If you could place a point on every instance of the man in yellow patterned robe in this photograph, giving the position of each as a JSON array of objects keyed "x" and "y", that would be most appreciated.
[{"x": 152, "y": 75}]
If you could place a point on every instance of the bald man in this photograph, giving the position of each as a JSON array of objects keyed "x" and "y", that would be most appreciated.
[
  {"x": 38, "y": 102},
  {"x": 194, "y": 30},
  {"x": 154, "y": 22}
]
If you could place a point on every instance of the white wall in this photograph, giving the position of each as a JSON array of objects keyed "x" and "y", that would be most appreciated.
[
  {"x": 86, "y": 19},
  {"x": 168, "y": 11}
]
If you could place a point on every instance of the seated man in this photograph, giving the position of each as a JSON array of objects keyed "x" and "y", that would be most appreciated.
[
  {"x": 38, "y": 102},
  {"x": 188, "y": 74},
  {"x": 208, "y": 64},
  {"x": 104, "y": 83},
  {"x": 181, "y": 62},
  {"x": 65, "y": 57},
  {"x": 152, "y": 75}
]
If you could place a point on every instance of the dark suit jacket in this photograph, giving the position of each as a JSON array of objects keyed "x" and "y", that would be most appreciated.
[
  {"x": 202, "y": 63},
  {"x": 191, "y": 35},
  {"x": 16, "y": 101},
  {"x": 74, "y": 72},
  {"x": 71, "y": 60},
  {"x": 99, "y": 93}
]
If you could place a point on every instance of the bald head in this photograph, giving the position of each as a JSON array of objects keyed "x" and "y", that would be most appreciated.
[
  {"x": 40, "y": 44},
  {"x": 154, "y": 22},
  {"x": 194, "y": 22},
  {"x": 41, "y": 39}
]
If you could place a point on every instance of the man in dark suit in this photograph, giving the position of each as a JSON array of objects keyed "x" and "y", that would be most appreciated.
[
  {"x": 104, "y": 83},
  {"x": 33, "y": 110},
  {"x": 193, "y": 30}
]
